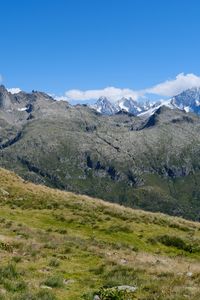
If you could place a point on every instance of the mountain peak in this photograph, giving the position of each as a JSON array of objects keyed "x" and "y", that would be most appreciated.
[
  {"x": 103, "y": 99},
  {"x": 188, "y": 100},
  {"x": 104, "y": 106},
  {"x": 5, "y": 100},
  {"x": 2, "y": 88}
]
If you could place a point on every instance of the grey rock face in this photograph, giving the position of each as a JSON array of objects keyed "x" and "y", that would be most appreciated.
[{"x": 5, "y": 98}]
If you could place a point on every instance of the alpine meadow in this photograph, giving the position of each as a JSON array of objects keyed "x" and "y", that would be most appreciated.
[{"x": 100, "y": 150}]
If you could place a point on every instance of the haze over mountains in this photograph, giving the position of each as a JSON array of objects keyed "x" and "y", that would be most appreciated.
[{"x": 149, "y": 161}]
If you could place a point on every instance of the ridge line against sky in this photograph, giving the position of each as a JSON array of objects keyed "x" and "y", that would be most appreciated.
[
  {"x": 58, "y": 46},
  {"x": 167, "y": 88},
  {"x": 164, "y": 89}
]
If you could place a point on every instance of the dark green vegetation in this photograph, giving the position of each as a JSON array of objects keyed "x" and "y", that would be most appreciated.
[
  {"x": 150, "y": 163},
  {"x": 58, "y": 245}
]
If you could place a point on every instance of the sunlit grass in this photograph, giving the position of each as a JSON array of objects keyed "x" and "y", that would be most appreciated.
[{"x": 57, "y": 245}]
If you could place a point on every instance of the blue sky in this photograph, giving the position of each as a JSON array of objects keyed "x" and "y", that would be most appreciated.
[{"x": 63, "y": 45}]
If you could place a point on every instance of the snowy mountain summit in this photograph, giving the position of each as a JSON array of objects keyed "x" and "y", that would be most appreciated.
[
  {"x": 130, "y": 105},
  {"x": 189, "y": 101},
  {"x": 106, "y": 107}
]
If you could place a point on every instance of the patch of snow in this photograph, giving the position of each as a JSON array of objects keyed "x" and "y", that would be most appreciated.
[
  {"x": 22, "y": 109},
  {"x": 122, "y": 106},
  {"x": 14, "y": 90},
  {"x": 98, "y": 109},
  {"x": 197, "y": 103},
  {"x": 168, "y": 103},
  {"x": 149, "y": 112},
  {"x": 187, "y": 109}
]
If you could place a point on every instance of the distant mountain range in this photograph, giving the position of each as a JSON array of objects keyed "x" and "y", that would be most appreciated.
[
  {"x": 189, "y": 101},
  {"x": 106, "y": 107},
  {"x": 150, "y": 161}
]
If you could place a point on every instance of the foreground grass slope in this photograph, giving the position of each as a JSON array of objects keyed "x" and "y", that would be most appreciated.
[{"x": 58, "y": 245}]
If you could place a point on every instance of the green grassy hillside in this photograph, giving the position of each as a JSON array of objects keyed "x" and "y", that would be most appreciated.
[{"x": 58, "y": 245}]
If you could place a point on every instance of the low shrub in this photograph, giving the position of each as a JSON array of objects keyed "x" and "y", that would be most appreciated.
[
  {"x": 115, "y": 294},
  {"x": 54, "y": 282},
  {"x": 177, "y": 242},
  {"x": 41, "y": 295},
  {"x": 8, "y": 272},
  {"x": 12, "y": 286},
  {"x": 54, "y": 262}
]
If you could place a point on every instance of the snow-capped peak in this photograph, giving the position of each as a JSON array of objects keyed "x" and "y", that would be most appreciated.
[
  {"x": 104, "y": 106},
  {"x": 129, "y": 105},
  {"x": 188, "y": 101}
]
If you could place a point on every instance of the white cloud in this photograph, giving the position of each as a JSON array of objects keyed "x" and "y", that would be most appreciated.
[
  {"x": 167, "y": 88},
  {"x": 111, "y": 93},
  {"x": 175, "y": 86},
  {"x": 14, "y": 90}
]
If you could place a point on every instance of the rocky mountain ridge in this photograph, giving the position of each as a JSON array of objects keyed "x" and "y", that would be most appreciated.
[
  {"x": 146, "y": 161},
  {"x": 189, "y": 101}
]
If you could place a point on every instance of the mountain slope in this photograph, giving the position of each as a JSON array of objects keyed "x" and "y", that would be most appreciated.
[
  {"x": 149, "y": 162},
  {"x": 58, "y": 245}
]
